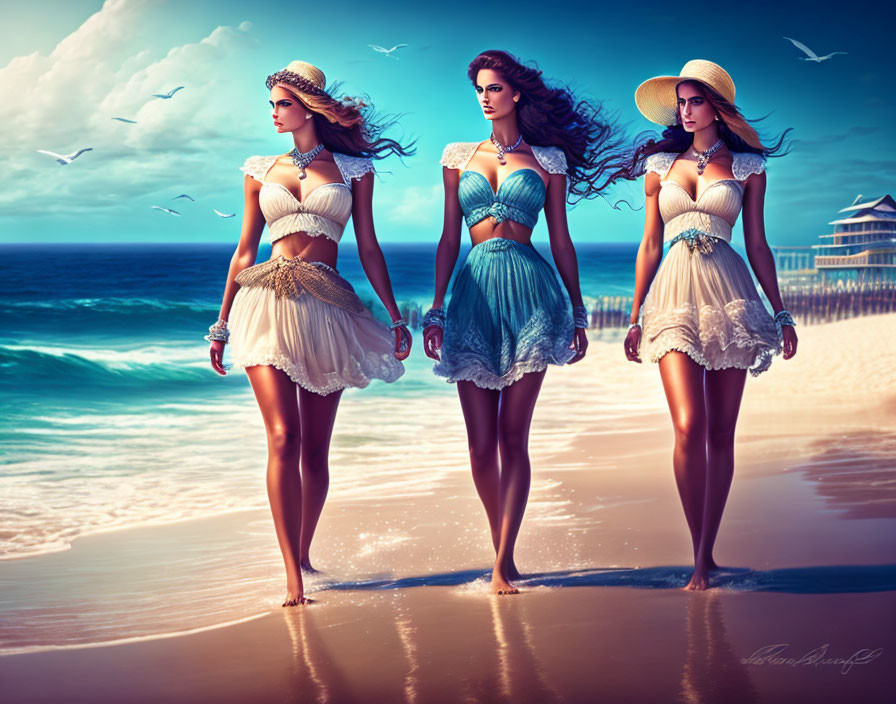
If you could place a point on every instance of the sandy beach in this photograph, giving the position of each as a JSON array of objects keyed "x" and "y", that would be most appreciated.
[{"x": 403, "y": 611}]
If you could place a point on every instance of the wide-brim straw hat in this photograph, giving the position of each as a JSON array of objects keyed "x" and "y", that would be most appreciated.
[{"x": 656, "y": 97}]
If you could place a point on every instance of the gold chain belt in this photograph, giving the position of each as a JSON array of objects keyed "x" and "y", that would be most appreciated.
[{"x": 290, "y": 278}]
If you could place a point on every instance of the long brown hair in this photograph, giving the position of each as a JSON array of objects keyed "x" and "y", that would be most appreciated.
[
  {"x": 554, "y": 117},
  {"x": 350, "y": 125},
  {"x": 735, "y": 130}
]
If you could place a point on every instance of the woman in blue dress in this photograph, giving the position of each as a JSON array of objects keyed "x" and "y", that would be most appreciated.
[{"x": 508, "y": 318}]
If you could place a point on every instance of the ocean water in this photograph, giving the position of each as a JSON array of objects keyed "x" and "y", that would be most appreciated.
[{"x": 112, "y": 417}]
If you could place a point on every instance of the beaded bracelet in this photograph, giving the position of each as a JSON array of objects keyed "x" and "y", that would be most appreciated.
[
  {"x": 400, "y": 323},
  {"x": 218, "y": 332},
  {"x": 782, "y": 318},
  {"x": 580, "y": 317},
  {"x": 434, "y": 316}
]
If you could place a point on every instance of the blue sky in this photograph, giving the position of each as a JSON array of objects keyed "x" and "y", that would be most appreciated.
[{"x": 66, "y": 68}]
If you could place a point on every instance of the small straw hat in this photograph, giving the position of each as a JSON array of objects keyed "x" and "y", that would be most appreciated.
[
  {"x": 657, "y": 100},
  {"x": 302, "y": 75}
]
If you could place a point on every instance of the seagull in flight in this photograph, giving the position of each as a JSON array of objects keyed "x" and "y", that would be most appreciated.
[
  {"x": 124, "y": 119},
  {"x": 223, "y": 215},
  {"x": 615, "y": 206},
  {"x": 811, "y": 55},
  {"x": 384, "y": 51},
  {"x": 166, "y": 210},
  {"x": 184, "y": 195},
  {"x": 167, "y": 95},
  {"x": 62, "y": 159}
]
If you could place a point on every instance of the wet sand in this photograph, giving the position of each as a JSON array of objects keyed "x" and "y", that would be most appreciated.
[{"x": 403, "y": 610}]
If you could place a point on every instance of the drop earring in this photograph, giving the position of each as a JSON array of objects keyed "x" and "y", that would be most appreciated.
[{"x": 308, "y": 116}]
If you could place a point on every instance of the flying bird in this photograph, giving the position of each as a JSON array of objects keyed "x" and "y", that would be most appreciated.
[
  {"x": 63, "y": 160},
  {"x": 124, "y": 119},
  {"x": 384, "y": 51},
  {"x": 223, "y": 215},
  {"x": 615, "y": 206},
  {"x": 184, "y": 195},
  {"x": 811, "y": 55},
  {"x": 167, "y": 95},
  {"x": 166, "y": 210}
]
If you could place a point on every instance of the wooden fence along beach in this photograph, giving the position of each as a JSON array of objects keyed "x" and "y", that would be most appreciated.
[{"x": 815, "y": 303}]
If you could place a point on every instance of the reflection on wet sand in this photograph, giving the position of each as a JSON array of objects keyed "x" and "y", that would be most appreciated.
[
  {"x": 406, "y": 634},
  {"x": 521, "y": 673},
  {"x": 856, "y": 473},
  {"x": 314, "y": 669},
  {"x": 712, "y": 671}
]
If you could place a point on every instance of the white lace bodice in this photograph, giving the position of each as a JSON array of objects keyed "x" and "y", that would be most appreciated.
[
  {"x": 715, "y": 210},
  {"x": 322, "y": 212},
  {"x": 458, "y": 154}
]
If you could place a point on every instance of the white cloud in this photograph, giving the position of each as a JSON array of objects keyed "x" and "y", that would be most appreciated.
[
  {"x": 66, "y": 101},
  {"x": 421, "y": 205}
]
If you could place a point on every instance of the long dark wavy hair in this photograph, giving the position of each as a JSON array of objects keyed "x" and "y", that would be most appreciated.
[
  {"x": 350, "y": 125},
  {"x": 735, "y": 130},
  {"x": 594, "y": 146}
]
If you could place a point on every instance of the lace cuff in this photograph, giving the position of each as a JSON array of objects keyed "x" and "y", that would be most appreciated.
[
  {"x": 458, "y": 154},
  {"x": 352, "y": 167},
  {"x": 660, "y": 163},
  {"x": 258, "y": 166},
  {"x": 746, "y": 164},
  {"x": 552, "y": 159}
]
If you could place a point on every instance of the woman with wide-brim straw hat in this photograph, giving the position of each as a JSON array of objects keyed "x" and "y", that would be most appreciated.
[
  {"x": 294, "y": 324},
  {"x": 697, "y": 312}
]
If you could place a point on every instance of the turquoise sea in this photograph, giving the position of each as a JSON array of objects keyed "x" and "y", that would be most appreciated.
[{"x": 112, "y": 416}]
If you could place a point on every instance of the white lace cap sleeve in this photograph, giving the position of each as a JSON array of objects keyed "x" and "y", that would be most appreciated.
[
  {"x": 660, "y": 163},
  {"x": 352, "y": 167},
  {"x": 258, "y": 166},
  {"x": 552, "y": 159},
  {"x": 745, "y": 164},
  {"x": 458, "y": 154}
]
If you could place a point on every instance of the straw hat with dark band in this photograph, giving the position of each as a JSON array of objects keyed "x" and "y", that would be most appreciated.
[
  {"x": 657, "y": 100},
  {"x": 302, "y": 75}
]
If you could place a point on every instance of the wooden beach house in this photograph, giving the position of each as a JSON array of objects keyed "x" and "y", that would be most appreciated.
[{"x": 862, "y": 248}]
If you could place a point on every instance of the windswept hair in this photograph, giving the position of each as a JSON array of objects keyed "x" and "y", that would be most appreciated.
[
  {"x": 350, "y": 125},
  {"x": 553, "y": 117},
  {"x": 735, "y": 130}
]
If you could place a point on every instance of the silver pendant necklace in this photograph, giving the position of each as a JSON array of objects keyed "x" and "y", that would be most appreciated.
[
  {"x": 302, "y": 159},
  {"x": 502, "y": 150},
  {"x": 704, "y": 156}
]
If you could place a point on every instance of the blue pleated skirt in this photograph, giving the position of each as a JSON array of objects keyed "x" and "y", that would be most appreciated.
[{"x": 507, "y": 316}]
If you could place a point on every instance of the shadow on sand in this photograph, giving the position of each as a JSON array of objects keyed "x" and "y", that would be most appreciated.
[{"x": 836, "y": 579}]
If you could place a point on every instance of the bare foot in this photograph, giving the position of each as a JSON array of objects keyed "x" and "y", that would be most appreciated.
[
  {"x": 501, "y": 586},
  {"x": 296, "y": 601},
  {"x": 513, "y": 572},
  {"x": 699, "y": 581},
  {"x": 308, "y": 569},
  {"x": 295, "y": 592}
]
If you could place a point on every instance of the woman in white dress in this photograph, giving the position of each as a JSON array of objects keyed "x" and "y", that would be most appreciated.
[
  {"x": 294, "y": 324},
  {"x": 702, "y": 318}
]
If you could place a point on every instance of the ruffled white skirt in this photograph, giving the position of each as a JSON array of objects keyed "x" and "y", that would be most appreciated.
[
  {"x": 706, "y": 305},
  {"x": 321, "y": 346}
]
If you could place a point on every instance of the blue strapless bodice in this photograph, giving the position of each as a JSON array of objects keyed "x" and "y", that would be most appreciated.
[{"x": 519, "y": 198}]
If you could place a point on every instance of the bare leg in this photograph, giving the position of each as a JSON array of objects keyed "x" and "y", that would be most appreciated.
[
  {"x": 318, "y": 414},
  {"x": 480, "y": 409},
  {"x": 276, "y": 396},
  {"x": 514, "y": 419},
  {"x": 724, "y": 391},
  {"x": 683, "y": 384}
]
